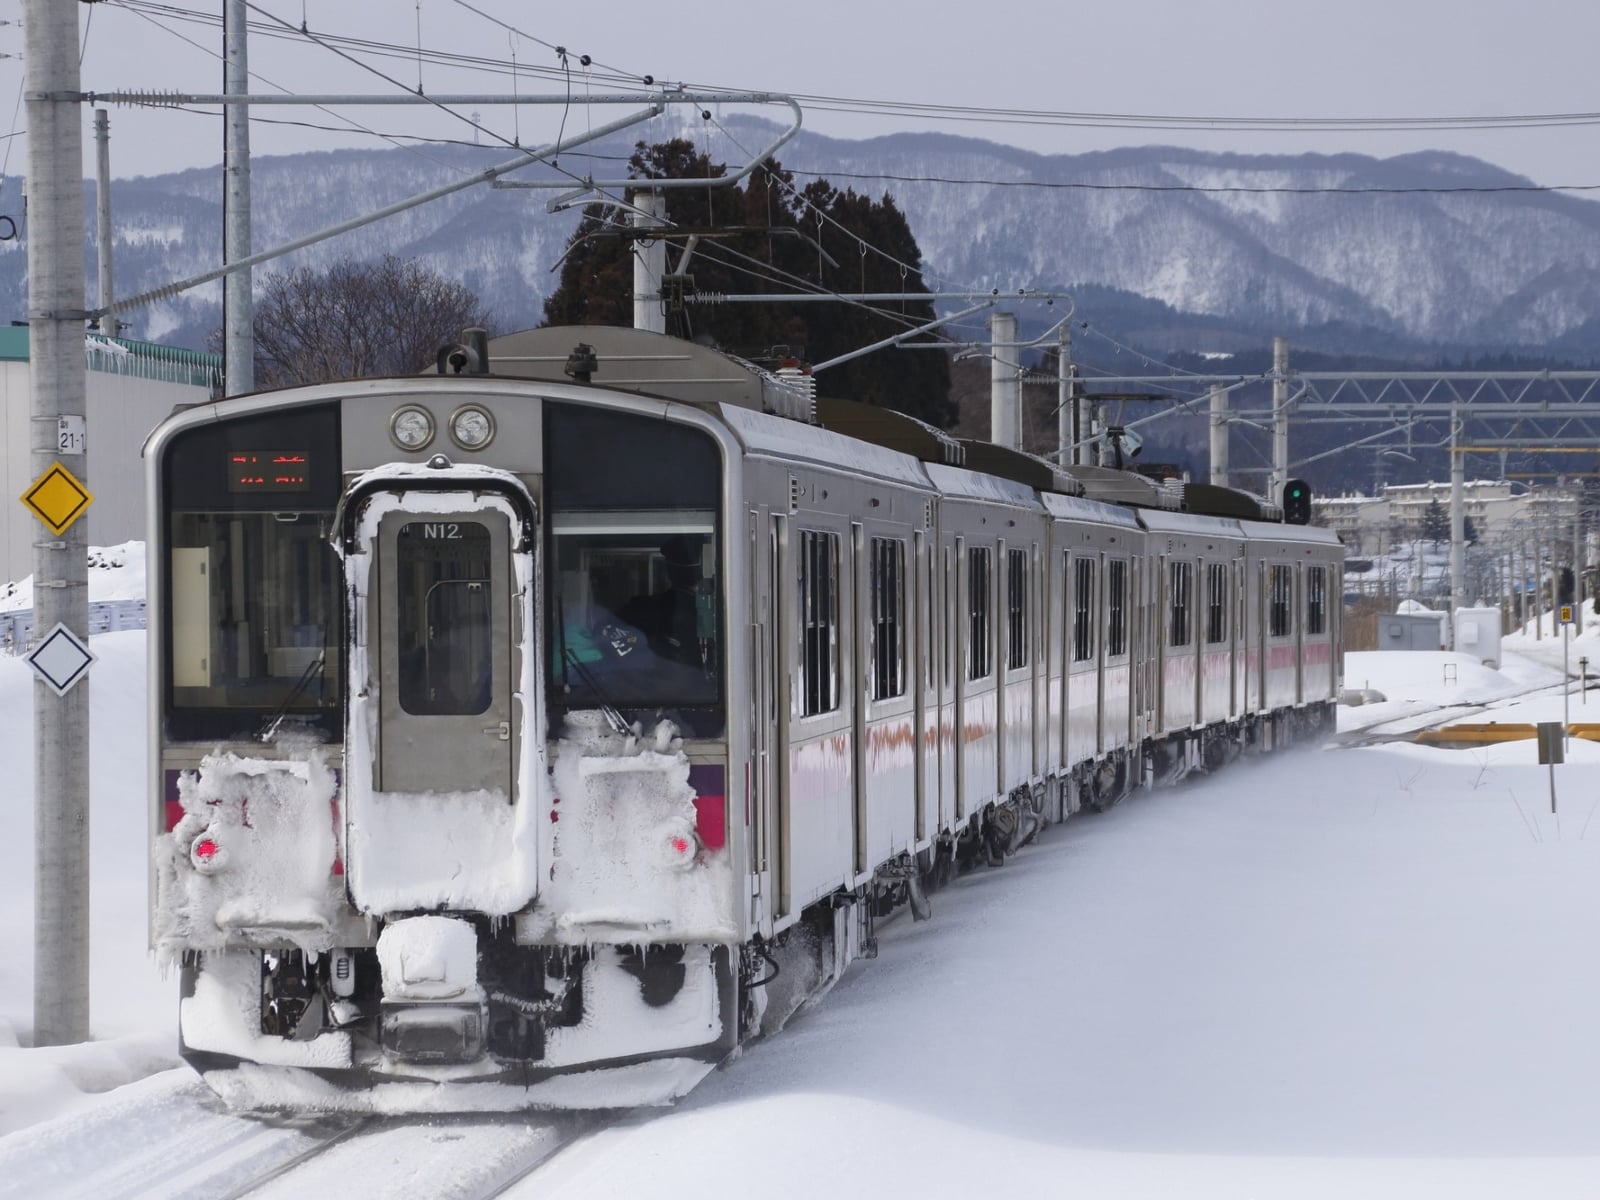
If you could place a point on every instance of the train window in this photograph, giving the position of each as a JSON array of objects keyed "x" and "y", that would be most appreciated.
[
  {"x": 1280, "y": 613},
  {"x": 1216, "y": 603},
  {"x": 1316, "y": 600},
  {"x": 1016, "y": 609},
  {"x": 1082, "y": 609},
  {"x": 1178, "y": 581},
  {"x": 819, "y": 622},
  {"x": 254, "y": 621},
  {"x": 978, "y": 574},
  {"x": 252, "y": 626},
  {"x": 634, "y": 595},
  {"x": 444, "y": 637},
  {"x": 633, "y": 568},
  {"x": 1116, "y": 607},
  {"x": 888, "y": 618}
]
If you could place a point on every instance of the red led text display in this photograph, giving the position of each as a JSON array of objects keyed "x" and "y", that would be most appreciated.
[{"x": 269, "y": 471}]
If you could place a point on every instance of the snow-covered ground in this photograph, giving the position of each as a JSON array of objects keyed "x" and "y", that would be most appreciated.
[{"x": 1338, "y": 972}]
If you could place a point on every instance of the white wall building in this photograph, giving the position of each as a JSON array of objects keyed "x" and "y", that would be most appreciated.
[{"x": 131, "y": 386}]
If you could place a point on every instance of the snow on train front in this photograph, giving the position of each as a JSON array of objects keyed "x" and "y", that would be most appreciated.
[{"x": 440, "y": 815}]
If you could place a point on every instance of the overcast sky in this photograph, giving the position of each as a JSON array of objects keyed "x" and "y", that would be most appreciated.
[{"x": 1242, "y": 58}]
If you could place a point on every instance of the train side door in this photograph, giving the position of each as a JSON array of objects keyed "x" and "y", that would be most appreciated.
[
  {"x": 444, "y": 651},
  {"x": 778, "y": 610},
  {"x": 857, "y": 655},
  {"x": 921, "y": 654}
]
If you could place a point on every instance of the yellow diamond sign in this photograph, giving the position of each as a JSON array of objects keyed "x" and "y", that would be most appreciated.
[{"x": 57, "y": 498}]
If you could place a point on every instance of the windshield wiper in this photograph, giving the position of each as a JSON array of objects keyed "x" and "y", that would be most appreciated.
[
  {"x": 612, "y": 713},
  {"x": 269, "y": 729}
]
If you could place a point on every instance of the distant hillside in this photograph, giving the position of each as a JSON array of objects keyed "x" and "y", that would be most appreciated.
[{"x": 1399, "y": 271}]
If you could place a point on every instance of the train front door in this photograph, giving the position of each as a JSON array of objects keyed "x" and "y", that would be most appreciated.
[{"x": 443, "y": 650}]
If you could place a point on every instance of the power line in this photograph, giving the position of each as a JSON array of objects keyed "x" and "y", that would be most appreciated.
[
  {"x": 905, "y": 267},
  {"x": 351, "y": 124},
  {"x": 1188, "y": 121},
  {"x": 1071, "y": 185}
]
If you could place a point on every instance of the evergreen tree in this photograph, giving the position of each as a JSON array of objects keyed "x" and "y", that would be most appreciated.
[
  {"x": 765, "y": 235},
  {"x": 1435, "y": 524}
]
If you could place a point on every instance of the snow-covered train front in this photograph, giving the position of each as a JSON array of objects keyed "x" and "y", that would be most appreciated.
[{"x": 523, "y": 741}]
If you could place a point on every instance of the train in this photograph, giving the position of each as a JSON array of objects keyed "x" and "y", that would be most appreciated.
[{"x": 536, "y": 731}]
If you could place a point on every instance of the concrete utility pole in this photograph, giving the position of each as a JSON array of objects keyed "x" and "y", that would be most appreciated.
[
  {"x": 60, "y": 564},
  {"x": 1458, "y": 517},
  {"x": 1577, "y": 570},
  {"x": 1067, "y": 422},
  {"x": 1280, "y": 419},
  {"x": 238, "y": 299},
  {"x": 109, "y": 325},
  {"x": 649, "y": 262},
  {"x": 1005, "y": 422},
  {"x": 1219, "y": 435}
]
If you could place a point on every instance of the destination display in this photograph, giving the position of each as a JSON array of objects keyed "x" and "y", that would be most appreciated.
[{"x": 269, "y": 470}]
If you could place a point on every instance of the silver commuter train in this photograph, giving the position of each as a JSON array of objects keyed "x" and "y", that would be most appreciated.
[{"x": 536, "y": 732}]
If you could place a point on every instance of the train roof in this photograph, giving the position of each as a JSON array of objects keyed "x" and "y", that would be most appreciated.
[
  {"x": 636, "y": 360},
  {"x": 761, "y": 433},
  {"x": 1190, "y": 523},
  {"x": 1122, "y": 487},
  {"x": 977, "y": 485},
  {"x": 1077, "y": 508},
  {"x": 891, "y": 429}
]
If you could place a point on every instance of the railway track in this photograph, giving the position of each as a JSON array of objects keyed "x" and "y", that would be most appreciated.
[
  {"x": 169, "y": 1138},
  {"x": 1406, "y": 727}
]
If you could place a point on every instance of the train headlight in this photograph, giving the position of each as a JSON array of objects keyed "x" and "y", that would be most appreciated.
[
  {"x": 207, "y": 854},
  {"x": 411, "y": 427},
  {"x": 471, "y": 427}
]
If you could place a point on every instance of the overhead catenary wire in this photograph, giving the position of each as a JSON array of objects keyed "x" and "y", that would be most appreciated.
[
  {"x": 351, "y": 124},
  {"x": 867, "y": 106}
]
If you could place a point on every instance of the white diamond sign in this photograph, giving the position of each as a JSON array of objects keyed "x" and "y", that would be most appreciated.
[{"x": 61, "y": 659}]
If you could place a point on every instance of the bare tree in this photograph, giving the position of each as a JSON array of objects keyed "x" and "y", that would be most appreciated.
[{"x": 357, "y": 319}]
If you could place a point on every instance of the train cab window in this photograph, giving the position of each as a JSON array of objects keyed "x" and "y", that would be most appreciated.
[
  {"x": 1216, "y": 603},
  {"x": 978, "y": 643},
  {"x": 1116, "y": 607},
  {"x": 1316, "y": 600},
  {"x": 1280, "y": 595},
  {"x": 253, "y": 610},
  {"x": 1016, "y": 609},
  {"x": 633, "y": 571},
  {"x": 819, "y": 622},
  {"x": 1082, "y": 609},
  {"x": 888, "y": 573},
  {"x": 445, "y": 637},
  {"x": 1180, "y": 609}
]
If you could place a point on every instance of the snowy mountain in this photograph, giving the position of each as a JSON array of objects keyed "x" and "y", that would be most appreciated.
[{"x": 1387, "y": 263}]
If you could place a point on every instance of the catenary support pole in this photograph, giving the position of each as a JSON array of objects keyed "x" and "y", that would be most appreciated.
[
  {"x": 649, "y": 262},
  {"x": 1577, "y": 570},
  {"x": 1280, "y": 419},
  {"x": 109, "y": 325},
  {"x": 1458, "y": 519},
  {"x": 1005, "y": 424},
  {"x": 1219, "y": 435},
  {"x": 238, "y": 301},
  {"x": 1066, "y": 402},
  {"x": 60, "y": 564}
]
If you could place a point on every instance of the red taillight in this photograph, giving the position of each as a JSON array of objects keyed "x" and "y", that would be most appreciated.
[
  {"x": 680, "y": 845},
  {"x": 206, "y": 849}
]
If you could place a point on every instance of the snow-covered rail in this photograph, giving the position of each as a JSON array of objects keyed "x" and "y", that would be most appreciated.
[
  {"x": 167, "y": 1137},
  {"x": 170, "y": 1138}
]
